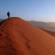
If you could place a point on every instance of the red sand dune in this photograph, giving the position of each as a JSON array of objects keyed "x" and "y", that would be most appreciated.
[
  {"x": 50, "y": 32},
  {"x": 20, "y": 38}
]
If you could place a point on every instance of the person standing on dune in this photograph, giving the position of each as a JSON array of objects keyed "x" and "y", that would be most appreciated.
[{"x": 8, "y": 14}]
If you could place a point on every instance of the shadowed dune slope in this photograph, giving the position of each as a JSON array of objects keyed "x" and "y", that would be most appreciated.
[{"x": 21, "y": 38}]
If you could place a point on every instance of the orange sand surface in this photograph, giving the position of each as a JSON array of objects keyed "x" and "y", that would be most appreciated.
[
  {"x": 50, "y": 32},
  {"x": 17, "y": 37}
]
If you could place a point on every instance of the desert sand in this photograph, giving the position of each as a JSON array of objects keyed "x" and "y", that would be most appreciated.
[
  {"x": 49, "y": 32},
  {"x": 17, "y": 37}
]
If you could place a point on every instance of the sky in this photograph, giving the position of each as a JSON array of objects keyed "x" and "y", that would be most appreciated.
[{"x": 38, "y": 10}]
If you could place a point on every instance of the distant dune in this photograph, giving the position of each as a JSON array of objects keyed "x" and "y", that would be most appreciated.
[
  {"x": 50, "y": 26},
  {"x": 20, "y": 38},
  {"x": 50, "y": 32}
]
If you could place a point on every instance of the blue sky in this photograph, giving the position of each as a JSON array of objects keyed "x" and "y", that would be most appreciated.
[{"x": 40, "y": 10}]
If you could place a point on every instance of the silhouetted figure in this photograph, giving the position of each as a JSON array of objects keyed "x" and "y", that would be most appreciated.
[{"x": 8, "y": 14}]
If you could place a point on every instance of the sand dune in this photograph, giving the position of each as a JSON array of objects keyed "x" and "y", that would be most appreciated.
[
  {"x": 49, "y": 32},
  {"x": 21, "y": 38}
]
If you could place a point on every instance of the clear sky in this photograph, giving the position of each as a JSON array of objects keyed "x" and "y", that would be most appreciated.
[{"x": 42, "y": 10}]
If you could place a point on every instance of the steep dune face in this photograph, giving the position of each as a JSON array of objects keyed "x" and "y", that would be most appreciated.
[{"x": 23, "y": 39}]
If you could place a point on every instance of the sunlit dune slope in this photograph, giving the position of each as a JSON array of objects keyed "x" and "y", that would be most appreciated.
[{"x": 23, "y": 39}]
